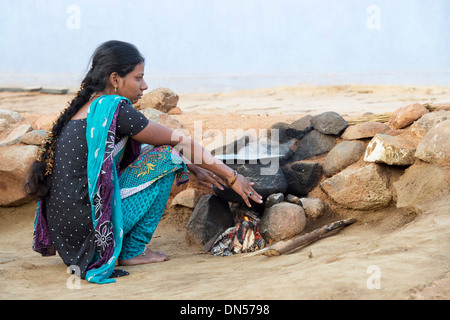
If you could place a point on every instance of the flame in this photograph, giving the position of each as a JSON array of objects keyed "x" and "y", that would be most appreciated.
[{"x": 244, "y": 236}]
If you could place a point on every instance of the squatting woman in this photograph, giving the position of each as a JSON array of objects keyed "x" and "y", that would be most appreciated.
[{"x": 104, "y": 174}]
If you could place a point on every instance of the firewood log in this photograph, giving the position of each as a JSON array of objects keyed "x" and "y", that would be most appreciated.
[{"x": 283, "y": 247}]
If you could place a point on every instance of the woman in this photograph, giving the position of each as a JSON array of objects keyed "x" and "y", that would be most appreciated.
[{"x": 104, "y": 174}]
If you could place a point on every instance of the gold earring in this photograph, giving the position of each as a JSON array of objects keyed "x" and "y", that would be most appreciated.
[{"x": 115, "y": 88}]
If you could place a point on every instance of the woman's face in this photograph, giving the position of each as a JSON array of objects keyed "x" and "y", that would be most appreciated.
[{"x": 133, "y": 85}]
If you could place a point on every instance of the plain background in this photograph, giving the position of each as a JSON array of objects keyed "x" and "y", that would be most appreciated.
[{"x": 207, "y": 45}]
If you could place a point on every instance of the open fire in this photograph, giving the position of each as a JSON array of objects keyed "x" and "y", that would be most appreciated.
[{"x": 243, "y": 237}]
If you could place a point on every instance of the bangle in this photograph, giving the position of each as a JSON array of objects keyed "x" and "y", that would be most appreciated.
[{"x": 230, "y": 184}]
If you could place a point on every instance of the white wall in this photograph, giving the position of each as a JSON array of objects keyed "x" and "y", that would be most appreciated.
[{"x": 193, "y": 45}]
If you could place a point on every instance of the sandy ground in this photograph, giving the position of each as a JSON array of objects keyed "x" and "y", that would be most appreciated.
[{"x": 385, "y": 255}]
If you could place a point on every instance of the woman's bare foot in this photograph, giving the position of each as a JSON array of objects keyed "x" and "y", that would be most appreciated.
[{"x": 148, "y": 256}]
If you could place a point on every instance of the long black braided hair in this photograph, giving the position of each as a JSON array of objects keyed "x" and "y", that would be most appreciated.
[{"x": 111, "y": 56}]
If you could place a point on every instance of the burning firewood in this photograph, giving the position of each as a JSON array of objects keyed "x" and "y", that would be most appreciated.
[
  {"x": 249, "y": 240},
  {"x": 243, "y": 237},
  {"x": 283, "y": 247}
]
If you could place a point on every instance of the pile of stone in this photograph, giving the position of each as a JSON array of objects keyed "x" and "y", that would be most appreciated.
[{"x": 329, "y": 163}]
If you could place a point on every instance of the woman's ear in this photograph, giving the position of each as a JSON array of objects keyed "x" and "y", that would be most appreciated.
[{"x": 114, "y": 79}]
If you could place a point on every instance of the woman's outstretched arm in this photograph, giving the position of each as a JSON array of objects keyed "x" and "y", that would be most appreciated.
[{"x": 156, "y": 134}]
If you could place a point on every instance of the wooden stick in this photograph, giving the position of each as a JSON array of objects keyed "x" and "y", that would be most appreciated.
[
  {"x": 371, "y": 118},
  {"x": 283, "y": 247}
]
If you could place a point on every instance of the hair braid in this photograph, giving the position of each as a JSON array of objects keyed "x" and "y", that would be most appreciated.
[
  {"x": 47, "y": 151},
  {"x": 44, "y": 160}
]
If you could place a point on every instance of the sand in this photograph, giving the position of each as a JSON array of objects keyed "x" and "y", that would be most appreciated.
[{"x": 386, "y": 254}]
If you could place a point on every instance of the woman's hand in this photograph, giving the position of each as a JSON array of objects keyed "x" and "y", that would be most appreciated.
[
  {"x": 245, "y": 190},
  {"x": 241, "y": 186},
  {"x": 206, "y": 178}
]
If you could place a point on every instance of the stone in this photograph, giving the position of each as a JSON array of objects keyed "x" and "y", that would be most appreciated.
[
  {"x": 274, "y": 199},
  {"x": 302, "y": 177},
  {"x": 16, "y": 135},
  {"x": 162, "y": 118},
  {"x": 211, "y": 217},
  {"x": 284, "y": 150},
  {"x": 435, "y": 145},
  {"x": 364, "y": 130},
  {"x": 175, "y": 111},
  {"x": 313, "y": 143},
  {"x": 329, "y": 123},
  {"x": 405, "y": 116},
  {"x": 429, "y": 120},
  {"x": 293, "y": 199},
  {"x": 15, "y": 162},
  {"x": 314, "y": 207},
  {"x": 268, "y": 178},
  {"x": 341, "y": 156},
  {"x": 4, "y": 124},
  {"x": 282, "y": 221},
  {"x": 35, "y": 137},
  {"x": 364, "y": 188},
  {"x": 392, "y": 150},
  {"x": 282, "y": 128},
  {"x": 187, "y": 198},
  {"x": 162, "y": 99},
  {"x": 11, "y": 116},
  {"x": 46, "y": 121},
  {"x": 298, "y": 129},
  {"x": 420, "y": 183}
]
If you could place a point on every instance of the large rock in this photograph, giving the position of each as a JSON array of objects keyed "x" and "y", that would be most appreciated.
[
  {"x": 302, "y": 177},
  {"x": 162, "y": 118},
  {"x": 4, "y": 124},
  {"x": 405, "y": 116},
  {"x": 282, "y": 129},
  {"x": 314, "y": 143},
  {"x": 187, "y": 198},
  {"x": 435, "y": 144},
  {"x": 11, "y": 116},
  {"x": 341, "y": 156},
  {"x": 16, "y": 135},
  {"x": 329, "y": 123},
  {"x": 15, "y": 162},
  {"x": 428, "y": 121},
  {"x": 420, "y": 183},
  {"x": 282, "y": 221},
  {"x": 211, "y": 217},
  {"x": 162, "y": 99},
  {"x": 298, "y": 129},
  {"x": 364, "y": 130},
  {"x": 363, "y": 188},
  {"x": 46, "y": 121},
  {"x": 392, "y": 150},
  {"x": 35, "y": 137}
]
